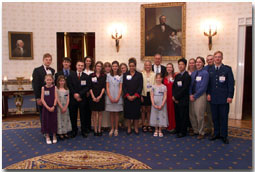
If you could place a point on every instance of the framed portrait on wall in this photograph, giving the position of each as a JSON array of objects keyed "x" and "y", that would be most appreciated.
[
  {"x": 20, "y": 45},
  {"x": 163, "y": 27}
]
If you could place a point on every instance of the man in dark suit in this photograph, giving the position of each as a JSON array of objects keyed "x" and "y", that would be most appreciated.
[
  {"x": 79, "y": 86},
  {"x": 181, "y": 98},
  {"x": 38, "y": 79},
  {"x": 158, "y": 40},
  {"x": 220, "y": 94},
  {"x": 66, "y": 71},
  {"x": 157, "y": 67}
]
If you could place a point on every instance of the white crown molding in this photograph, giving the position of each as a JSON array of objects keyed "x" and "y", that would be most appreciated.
[{"x": 245, "y": 21}]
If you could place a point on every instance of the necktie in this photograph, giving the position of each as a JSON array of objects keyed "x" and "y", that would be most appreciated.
[
  {"x": 47, "y": 68},
  {"x": 79, "y": 75},
  {"x": 157, "y": 71},
  {"x": 217, "y": 68},
  {"x": 193, "y": 90}
]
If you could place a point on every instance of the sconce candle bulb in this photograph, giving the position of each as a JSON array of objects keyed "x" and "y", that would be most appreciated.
[{"x": 5, "y": 83}]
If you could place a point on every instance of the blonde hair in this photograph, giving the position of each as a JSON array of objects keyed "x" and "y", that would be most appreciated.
[
  {"x": 49, "y": 75},
  {"x": 218, "y": 52},
  {"x": 47, "y": 55}
]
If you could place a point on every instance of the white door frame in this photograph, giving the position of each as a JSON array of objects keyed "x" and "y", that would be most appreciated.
[{"x": 242, "y": 23}]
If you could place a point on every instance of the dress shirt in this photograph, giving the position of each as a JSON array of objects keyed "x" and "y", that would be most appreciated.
[{"x": 201, "y": 77}]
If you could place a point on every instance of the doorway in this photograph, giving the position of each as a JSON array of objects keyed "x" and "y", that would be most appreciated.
[
  {"x": 75, "y": 45},
  {"x": 247, "y": 93}
]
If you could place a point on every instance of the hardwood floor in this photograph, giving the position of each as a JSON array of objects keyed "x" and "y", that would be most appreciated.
[{"x": 246, "y": 123}]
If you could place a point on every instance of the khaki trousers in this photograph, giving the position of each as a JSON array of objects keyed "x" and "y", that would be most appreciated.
[{"x": 197, "y": 113}]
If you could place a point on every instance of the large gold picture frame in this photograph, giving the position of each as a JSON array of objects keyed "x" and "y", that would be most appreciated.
[
  {"x": 172, "y": 46},
  {"x": 20, "y": 45}
]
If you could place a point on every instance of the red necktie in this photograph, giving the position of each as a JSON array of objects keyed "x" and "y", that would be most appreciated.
[{"x": 79, "y": 75}]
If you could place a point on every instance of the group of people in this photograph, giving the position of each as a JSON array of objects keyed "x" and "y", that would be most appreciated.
[{"x": 161, "y": 97}]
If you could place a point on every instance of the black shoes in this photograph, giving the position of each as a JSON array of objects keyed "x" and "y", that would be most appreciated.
[
  {"x": 225, "y": 140},
  {"x": 179, "y": 135},
  {"x": 98, "y": 133},
  {"x": 73, "y": 134},
  {"x": 214, "y": 138},
  {"x": 128, "y": 133},
  {"x": 137, "y": 133},
  {"x": 84, "y": 135}
]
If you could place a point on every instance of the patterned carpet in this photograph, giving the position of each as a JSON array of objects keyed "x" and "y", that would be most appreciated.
[{"x": 24, "y": 147}]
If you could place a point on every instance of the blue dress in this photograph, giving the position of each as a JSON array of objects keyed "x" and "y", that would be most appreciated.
[
  {"x": 159, "y": 118},
  {"x": 114, "y": 86}
]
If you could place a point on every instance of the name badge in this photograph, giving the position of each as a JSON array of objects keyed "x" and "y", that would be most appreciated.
[
  {"x": 149, "y": 86},
  {"x": 83, "y": 83},
  {"x": 129, "y": 77},
  {"x": 94, "y": 79},
  {"x": 222, "y": 78},
  {"x": 46, "y": 92},
  {"x": 161, "y": 92},
  {"x": 198, "y": 78},
  {"x": 179, "y": 83},
  {"x": 171, "y": 80},
  {"x": 117, "y": 78}
]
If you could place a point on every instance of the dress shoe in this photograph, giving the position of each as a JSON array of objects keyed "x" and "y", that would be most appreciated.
[
  {"x": 54, "y": 140},
  {"x": 225, "y": 140},
  {"x": 179, "y": 135},
  {"x": 128, "y": 133},
  {"x": 95, "y": 134},
  {"x": 66, "y": 136},
  {"x": 99, "y": 133},
  {"x": 137, "y": 133},
  {"x": 172, "y": 131},
  {"x": 48, "y": 141},
  {"x": 84, "y": 135},
  {"x": 200, "y": 137},
  {"x": 73, "y": 134},
  {"x": 61, "y": 137},
  {"x": 214, "y": 138},
  {"x": 116, "y": 133},
  {"x": 111, "y": 132}
]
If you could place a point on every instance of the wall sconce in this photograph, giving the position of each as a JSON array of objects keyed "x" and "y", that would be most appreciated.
[
  {"x": 210, "y": 30},
  {"x": 117, "y": 36},
  {"x": 5, "y": 83},
  {"x": 117, "y": 30}
]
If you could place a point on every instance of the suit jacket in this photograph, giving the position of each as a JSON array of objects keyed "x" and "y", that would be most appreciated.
[
  {"x": 181, "y": 88},
  {"x": 221, "y": 84},
  {"x": 38, "y": 80},
  {"x": 68, "y": 81},
  {"x": 163, "y": 70},
  {"x": 81, "y": 86}
]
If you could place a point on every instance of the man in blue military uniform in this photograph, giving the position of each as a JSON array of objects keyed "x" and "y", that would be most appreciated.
[{"x": 220, "y": 94}]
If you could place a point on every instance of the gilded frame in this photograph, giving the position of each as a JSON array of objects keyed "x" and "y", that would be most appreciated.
[
  {"x": 183, "y": 31},
  {"x": 27, "y": 38}
]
